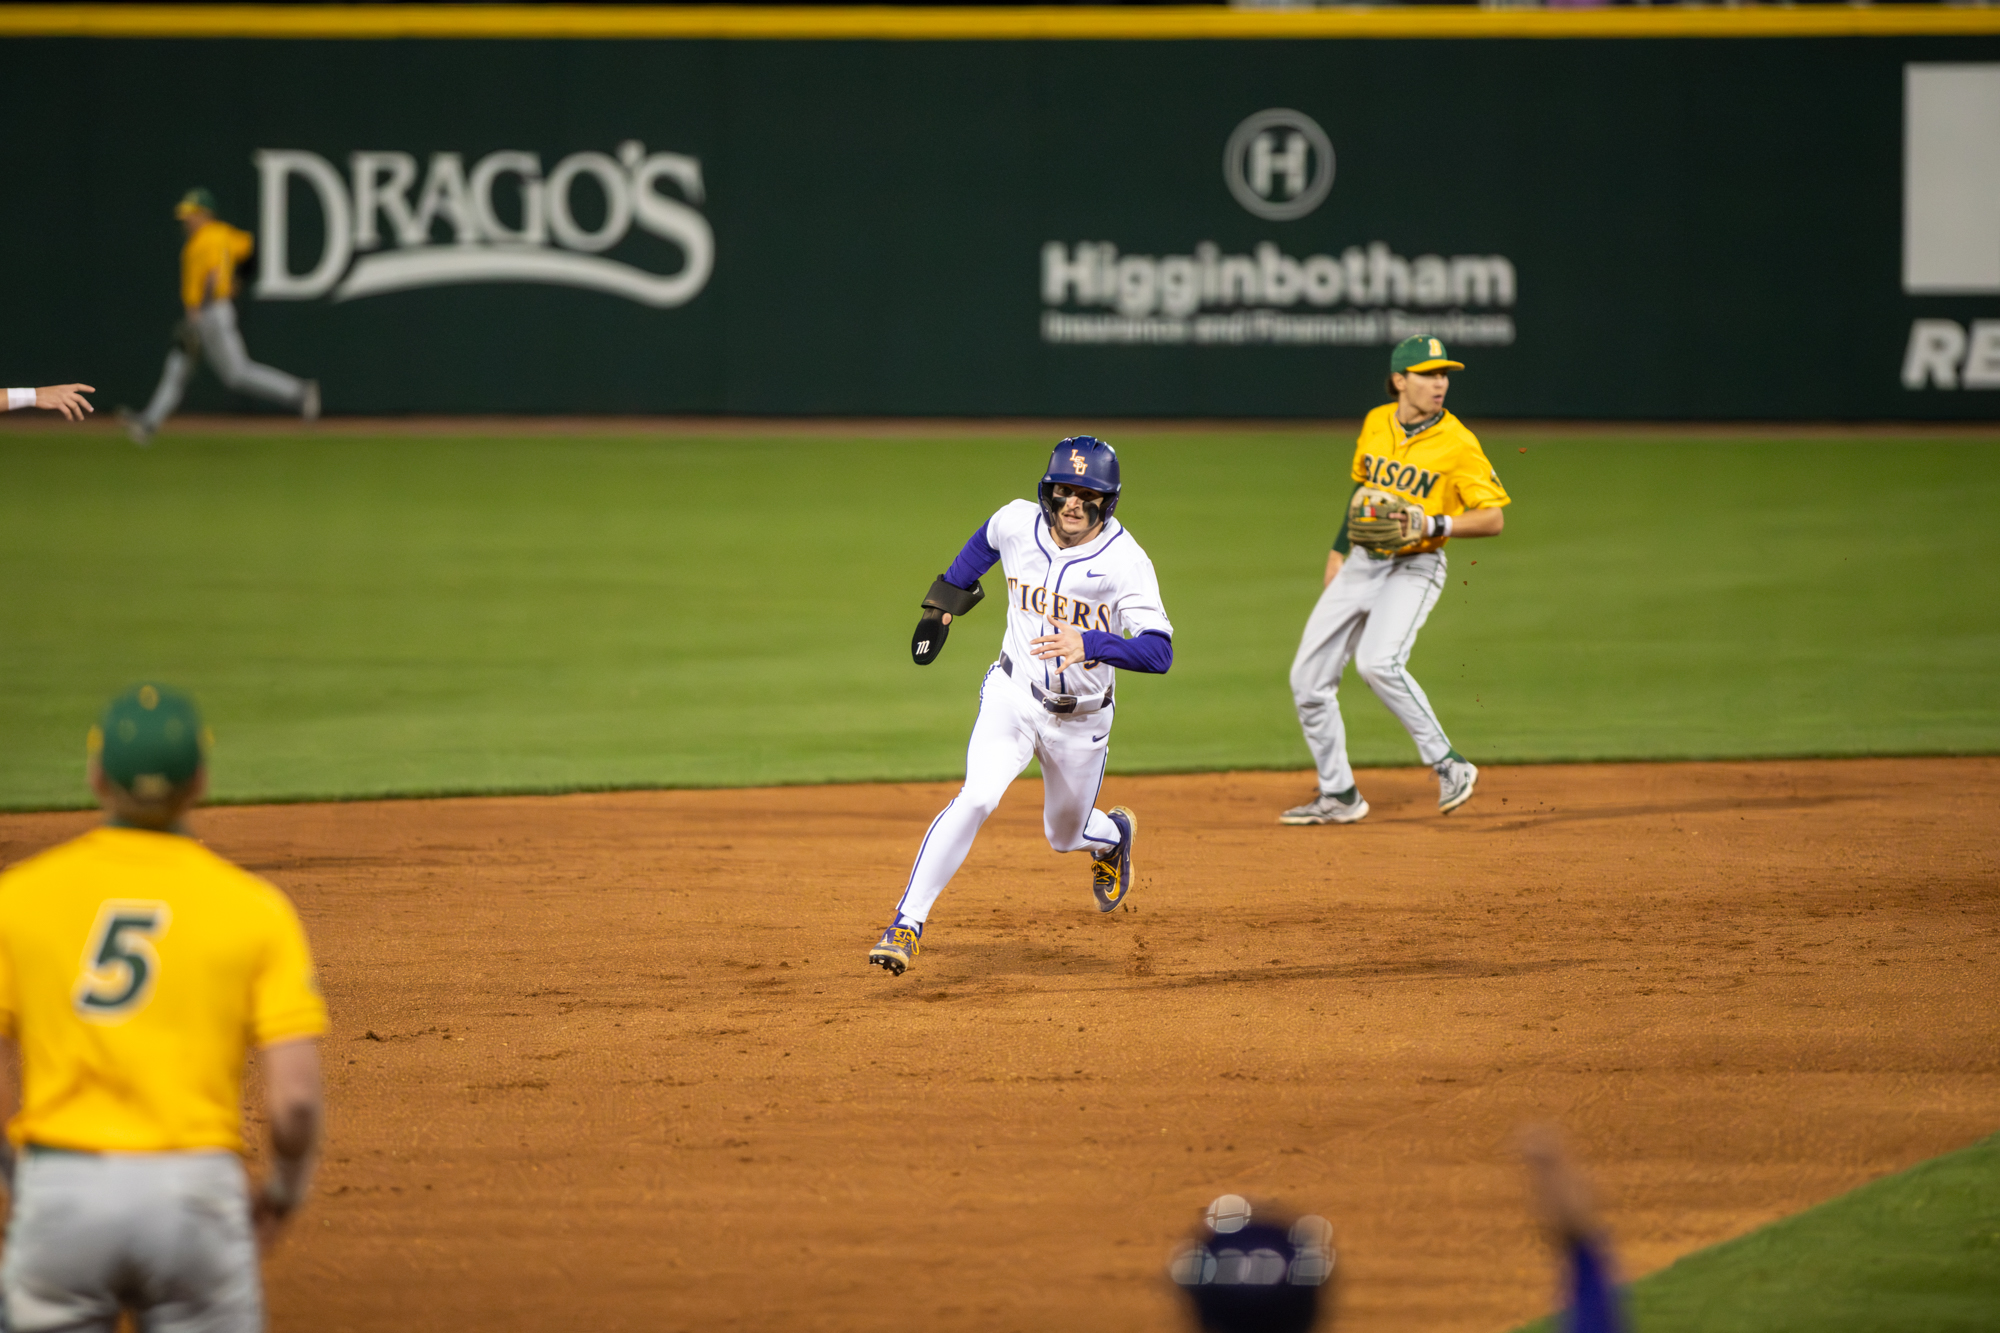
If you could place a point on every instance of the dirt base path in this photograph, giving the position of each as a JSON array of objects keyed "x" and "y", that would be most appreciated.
[{"x": 615, "y": 1062}]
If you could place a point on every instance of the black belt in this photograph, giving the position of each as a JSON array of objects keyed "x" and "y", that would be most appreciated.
[{"x": 1059, "y": 703}]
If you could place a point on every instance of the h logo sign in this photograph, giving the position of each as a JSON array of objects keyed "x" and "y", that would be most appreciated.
[
  {"x": 1279, "y": 164},
  {"x": 1265, "y": 162}
]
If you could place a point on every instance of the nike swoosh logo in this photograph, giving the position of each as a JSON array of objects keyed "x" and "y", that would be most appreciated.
[
  {"x": 1092, "y": 574},
  {"x": 1100, "y": 737}
]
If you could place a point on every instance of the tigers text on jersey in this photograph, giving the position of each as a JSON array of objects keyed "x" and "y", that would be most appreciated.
[
  {"x": 134, "y": 968},
  {"x": 1105, "y": 584},
  {"x": 215, "y": 248},
  {"x": 1442, "y": 468}
]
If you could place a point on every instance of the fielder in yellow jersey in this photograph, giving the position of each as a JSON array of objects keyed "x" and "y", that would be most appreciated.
[
  {"x": 208, "y": 291},
  {"x": 1439, "y": 466},
  {"x": 209, "y": 259},
  {"x": 136, "y": 969},
  {"x": 1373, "y": 605}
]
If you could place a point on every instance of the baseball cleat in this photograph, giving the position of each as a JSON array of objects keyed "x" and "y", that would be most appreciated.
[
  {"x": 896, "y": 950},
  {"x": 1340, "y": 808},
  {"x": 1456, "y": 777},
  {"x": 136, "y": 429},
  {"x": 1111, "y": 873}
]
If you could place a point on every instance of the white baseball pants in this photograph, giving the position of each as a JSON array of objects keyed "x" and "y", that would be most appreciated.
[
  {"x": 165, "y": 1234},
  {"x": 1369, "y": 615},
  {"x": 222, "y": 344},
  {"x": 1012, "y": 729}
]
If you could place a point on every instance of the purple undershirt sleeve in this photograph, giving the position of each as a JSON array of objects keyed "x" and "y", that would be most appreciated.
[
  {"x": 1593, "y": 1303},
  {"x": 1151, "y": 652},
  {"x": 977, "y": 557}
]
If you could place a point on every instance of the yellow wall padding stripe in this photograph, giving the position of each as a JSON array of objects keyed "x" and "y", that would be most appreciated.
[{"x": 975, "y": 24}]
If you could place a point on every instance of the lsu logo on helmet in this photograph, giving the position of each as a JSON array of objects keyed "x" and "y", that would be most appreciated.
[{"x": 1084, "y": 461}]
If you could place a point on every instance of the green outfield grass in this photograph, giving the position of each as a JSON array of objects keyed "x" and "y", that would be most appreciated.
[
  {"x": 1920, "y": 1250},
  {"x": 370, "y": 615}
]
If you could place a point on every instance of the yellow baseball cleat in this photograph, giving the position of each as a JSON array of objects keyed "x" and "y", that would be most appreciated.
[
  {"x": 1111, "y": 873},
  {"x": 896, "y": 950}
]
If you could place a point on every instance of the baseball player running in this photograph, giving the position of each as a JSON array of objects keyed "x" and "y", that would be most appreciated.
[
  {"x": 135, "y": 966},
  {"x": 67, "y": 399},
  {"x": 208, "y": 290},
  {"x": 1420, "y": 480},
  {"x": 1082, "y": 599}
]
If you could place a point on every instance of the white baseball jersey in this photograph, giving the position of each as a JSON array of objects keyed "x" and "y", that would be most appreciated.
[{"x": 1106, "y": 584}]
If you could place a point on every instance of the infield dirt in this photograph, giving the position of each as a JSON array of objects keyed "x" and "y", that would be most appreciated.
[{"x": 616, "y": 1062}]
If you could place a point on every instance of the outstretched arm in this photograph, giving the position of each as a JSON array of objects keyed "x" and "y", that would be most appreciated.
[
  {"x": 1561, "y": 1200},
  {"x": 67, "y": 399}
]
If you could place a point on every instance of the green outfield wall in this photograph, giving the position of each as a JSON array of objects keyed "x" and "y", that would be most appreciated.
[{"x": 1671, "y": 227}]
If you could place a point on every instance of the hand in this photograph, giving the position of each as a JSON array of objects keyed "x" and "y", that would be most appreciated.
[
  {"x": 1558, "y": 1191},
  {"x": 1334, "y": 560},
  {"x": 933, "y": 629},
  {"x": 67, "y": 399},
  {"x": 270, "y": 1208},
  {"x": 1065, "y": 646}
]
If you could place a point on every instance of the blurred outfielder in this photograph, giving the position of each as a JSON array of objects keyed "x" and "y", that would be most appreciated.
[{"x": 208, "y": 290}]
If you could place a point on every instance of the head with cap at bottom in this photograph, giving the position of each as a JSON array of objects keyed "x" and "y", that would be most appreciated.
[
  {"x": 1253, "y": 1268},
  {"x": 148, "y": 757}
]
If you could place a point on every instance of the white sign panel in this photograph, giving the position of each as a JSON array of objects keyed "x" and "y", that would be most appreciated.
[{"x": 1951, "y": 179}]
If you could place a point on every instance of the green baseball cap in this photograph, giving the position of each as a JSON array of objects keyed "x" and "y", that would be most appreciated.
[
  {"x": 150, "y": 740},
  {"x": 1420, "y": 354},
  {"x": 193, "y": 199}
]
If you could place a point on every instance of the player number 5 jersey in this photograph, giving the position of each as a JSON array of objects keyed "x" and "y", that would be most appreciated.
[{"x": 135, "y": 967}]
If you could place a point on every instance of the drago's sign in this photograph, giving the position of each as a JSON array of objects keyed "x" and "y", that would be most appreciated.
[{"x": 504, "y": 220}]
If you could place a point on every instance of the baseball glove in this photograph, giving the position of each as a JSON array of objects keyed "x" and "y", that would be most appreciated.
[{"x": 1383, "y": 523}]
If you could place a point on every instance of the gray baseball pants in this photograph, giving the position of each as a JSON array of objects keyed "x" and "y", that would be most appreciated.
[
  {"x": 1369, "y": 615},
  {"x": 222, "y": 344},
  {"x": 166, "y": 1235}
]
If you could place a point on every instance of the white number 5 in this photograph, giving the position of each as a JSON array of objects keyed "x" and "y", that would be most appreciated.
[{"x": 120, "y": 965}]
